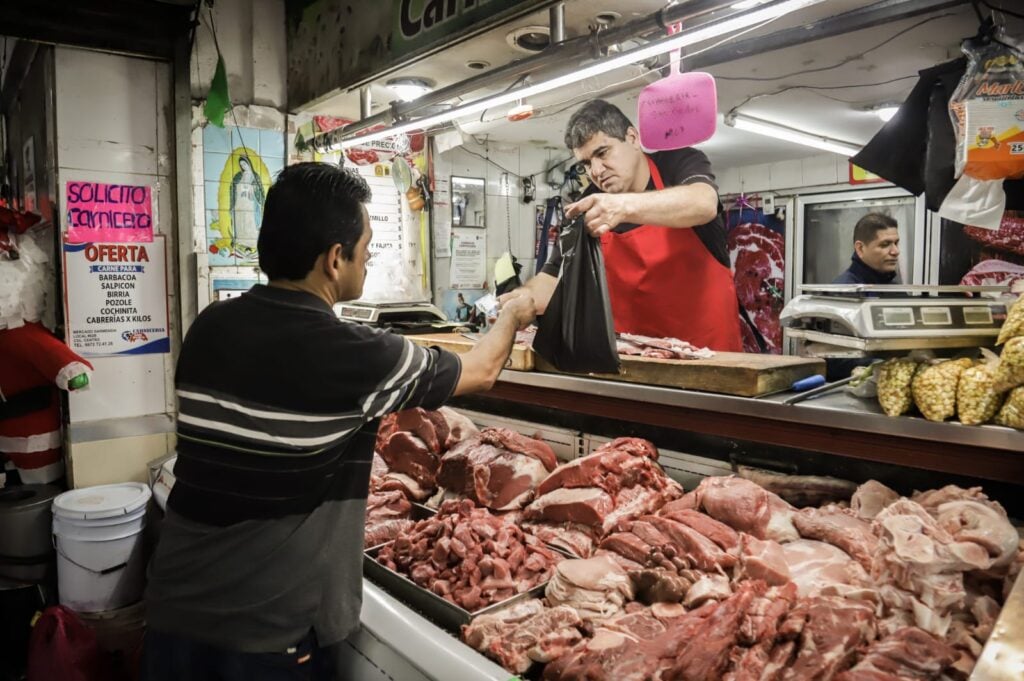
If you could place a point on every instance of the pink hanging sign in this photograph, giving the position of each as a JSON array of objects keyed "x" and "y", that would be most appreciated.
[{"x": 99, "y": 212}]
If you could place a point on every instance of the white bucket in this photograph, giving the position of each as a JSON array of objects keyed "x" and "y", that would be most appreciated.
[{"x": 100, "y": 561}]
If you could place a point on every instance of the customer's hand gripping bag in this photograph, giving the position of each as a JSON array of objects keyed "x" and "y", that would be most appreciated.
[{"x": 576, "y": 332}]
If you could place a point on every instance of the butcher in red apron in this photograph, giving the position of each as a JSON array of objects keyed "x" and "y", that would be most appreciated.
[{"x": 662, "y": 233}]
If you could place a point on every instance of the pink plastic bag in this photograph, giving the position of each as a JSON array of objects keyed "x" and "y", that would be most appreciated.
[{"x": 62, "y": 647}]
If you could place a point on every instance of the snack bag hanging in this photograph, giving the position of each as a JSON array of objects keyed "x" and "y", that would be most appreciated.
[
  {"x": 987, "y": 110},
  {"x": 894, "y": 378},
  {"x": 977, "y": 400},
  {"x": 935, "y": 386},
  {"x": 1012, "y": 413}
]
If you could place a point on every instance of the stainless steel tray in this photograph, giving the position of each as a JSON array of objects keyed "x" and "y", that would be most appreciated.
[
  {"x": 443, "y": 613},
  {"x": 1002, "y": 658}
]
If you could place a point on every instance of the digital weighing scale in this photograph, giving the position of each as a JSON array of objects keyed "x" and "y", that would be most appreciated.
[
  {"x": 399, "y": 317},
  {"x": 831, "y": 320}
]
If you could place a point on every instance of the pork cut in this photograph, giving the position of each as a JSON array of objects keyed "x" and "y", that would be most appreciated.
[
  {"x": 908, "y": 654},
  {"x": 758, "y": 258},
  {"x": 993, "y": 272},
  {"x": 839, "y": 527},
  {"x": 831, "y": 630},
  {"x": 597, "y": 588},
  {"x": 818, "y": 568},
  {"x": 572, "y": 538},
  {"x": 1009, "y": 236},
  {"x": 746, "y": 507},
  {"x": 870, "y": 498}
]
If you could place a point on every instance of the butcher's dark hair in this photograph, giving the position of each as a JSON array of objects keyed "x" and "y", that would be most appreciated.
[
  {"x": 870, "y": 225},
  {"x": 593, "y": 117},
  {"x": 309, "y": 208}
]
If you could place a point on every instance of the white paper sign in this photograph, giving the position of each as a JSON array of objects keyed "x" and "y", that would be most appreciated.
[
  {"x": 441, "y": 220},
  {"x": 469, "y": 259},
  {"x": 115, "y": 298}
]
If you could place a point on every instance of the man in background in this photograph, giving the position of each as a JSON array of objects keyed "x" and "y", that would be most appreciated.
[{"x": 876, "y": 252}]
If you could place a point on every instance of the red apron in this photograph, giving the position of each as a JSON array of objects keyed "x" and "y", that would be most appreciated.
[{"x": 663, "y": 281}]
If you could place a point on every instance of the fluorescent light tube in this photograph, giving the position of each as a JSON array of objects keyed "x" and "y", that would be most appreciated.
[
  {"x": 720, "y": 28},
  {"x": 782, "y": 132}
]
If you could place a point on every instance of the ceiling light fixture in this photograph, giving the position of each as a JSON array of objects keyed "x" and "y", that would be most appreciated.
[
  {"x": 639, "y": 54},
  {"x": 782, "y": 132},
  {"x": 886, "y": 112},
  {"x": 746, "y": 4},
  {"x": 408, "y": 89}
]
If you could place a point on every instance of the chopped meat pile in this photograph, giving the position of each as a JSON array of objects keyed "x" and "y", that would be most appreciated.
[
  {"x": 469, "y": 556},
  {"x": 660, "y": 348},
  {"x": 618, "y": 481},
  {"x": 496, "y": 468}
]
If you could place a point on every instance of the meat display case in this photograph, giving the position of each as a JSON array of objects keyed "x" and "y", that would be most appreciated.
[{"x": 702, "y": 434}]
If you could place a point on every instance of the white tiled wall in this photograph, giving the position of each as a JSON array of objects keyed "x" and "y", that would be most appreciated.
[
  {"x": 822, "y": 170},
  {"x": 505, "y": 208}
]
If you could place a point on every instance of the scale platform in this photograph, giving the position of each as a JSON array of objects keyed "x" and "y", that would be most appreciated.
[
  {"x": 403, "y": 317},
  {"x": 870, "y": 319}
]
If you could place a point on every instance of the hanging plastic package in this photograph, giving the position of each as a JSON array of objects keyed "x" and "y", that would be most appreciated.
[
  {"x": 576, "y": 332},
  {"x": 987, "y": 111}
]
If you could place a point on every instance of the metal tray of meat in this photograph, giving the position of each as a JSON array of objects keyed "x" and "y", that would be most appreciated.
[
  {"x": 441, "y": 612},
  {"x": 419, "y": 512}
]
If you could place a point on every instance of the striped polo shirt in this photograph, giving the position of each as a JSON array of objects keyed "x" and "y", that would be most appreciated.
[{"x": 278, "y": 402}]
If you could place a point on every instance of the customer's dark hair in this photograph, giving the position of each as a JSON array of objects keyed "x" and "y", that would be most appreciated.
[
  {"x": 870, "y": 225},
  {"x": 593, "y": 117},
  {"x": 309, "y": 208}
]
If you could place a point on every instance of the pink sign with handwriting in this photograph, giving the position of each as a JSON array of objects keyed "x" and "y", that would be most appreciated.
[{"x": 99, "y": 212}]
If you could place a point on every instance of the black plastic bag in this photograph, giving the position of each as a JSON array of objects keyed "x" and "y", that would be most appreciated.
[{"x": 576, "y": 333}]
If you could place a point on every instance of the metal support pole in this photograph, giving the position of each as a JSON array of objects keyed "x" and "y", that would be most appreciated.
[
  {"x": 365, "y": 103},
  {"x": 556, "y": 18}
]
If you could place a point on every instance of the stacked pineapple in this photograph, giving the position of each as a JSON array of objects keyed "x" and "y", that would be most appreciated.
[{"x": 973, "y": 391}]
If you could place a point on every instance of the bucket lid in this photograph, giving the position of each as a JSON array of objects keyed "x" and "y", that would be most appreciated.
[
  {"x": 24, "y": 497},
  {"x": 102, "y": 501}
]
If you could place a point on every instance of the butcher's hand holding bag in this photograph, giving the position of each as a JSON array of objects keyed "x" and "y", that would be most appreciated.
[{"x": 576, "y": 333}]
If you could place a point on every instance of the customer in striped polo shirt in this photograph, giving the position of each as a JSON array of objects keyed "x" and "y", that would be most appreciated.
[{"x": 258, "y": 568}]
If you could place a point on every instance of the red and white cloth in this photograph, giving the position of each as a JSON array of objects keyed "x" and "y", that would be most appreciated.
[{"x": 33, "y": 366}]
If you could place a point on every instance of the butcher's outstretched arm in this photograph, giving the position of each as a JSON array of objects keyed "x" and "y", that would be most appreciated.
[{"x": 686, "y": 205}]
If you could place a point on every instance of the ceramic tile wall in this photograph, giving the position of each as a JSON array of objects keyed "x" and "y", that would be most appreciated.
[
  {"x": 817, "y": 171},
  {"x": 239, "y": 164},
  {"x": 510, "y": 223}
]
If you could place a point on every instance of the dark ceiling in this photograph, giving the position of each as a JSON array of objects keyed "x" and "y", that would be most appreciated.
[{"x": 143, "y": 27}]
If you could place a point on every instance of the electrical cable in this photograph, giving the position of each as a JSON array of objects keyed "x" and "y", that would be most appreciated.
[
  {"x": 780, "y": 91},
  {"x": 843, "y": 62}
]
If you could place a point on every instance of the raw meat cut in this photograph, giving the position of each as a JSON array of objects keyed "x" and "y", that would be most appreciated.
[
  {"x": 469, "y": 556},
  {"x": 459, "y": 426},
  {"x": 1009, "y": 236},
  {"x": 912, "y": 539},
  {"x": 583, "y": 505},
  {"x": 831, "y": 630},
  {"x": 818, "y": 568},
  {"x": 520, "y": 444},
  {"x": 597, "y": 588},
  {"x": 569, "y": 537},
  {"x": 758, "y": 257},
  {"x": 800, "y": 490},
  {"x": 720, "y": 533},
  {"x": 907, "y": 654},
  {"x": 704, "y": 656},
  {"x": 984, "y": 524},
  {"x": 383, "y": 531},
  {"x": 399, "y": 482},
  {"x": 429, "y": 426},
  {"x": 659, "y": 585},
  {"x": 491, "y": 475},
  {"x": 617, "y": 482},
  {"x": 707, "y": 588},
  {"x": 746, "y": 507},
  {"x": 993, "y": 272},
  {"x": 764, "y": 560},
  {"x": 405, "y": 453},
  {"x": 839, "y": 527},
  {"x": 659, "y": 348},
  {"x": 610, "y": 470},
  {"x": 525, "y": 633},
  {"x": 699, "y": 551},
  {"x": 933, "y": 498},
  {"x": 870, "y": 498}
]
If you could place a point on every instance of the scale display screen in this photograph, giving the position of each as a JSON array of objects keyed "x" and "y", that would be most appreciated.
[
  {"x": 356, "y": 312},
  {"x": 898, "y": 316},
  {"x": 922, "y": 318}
]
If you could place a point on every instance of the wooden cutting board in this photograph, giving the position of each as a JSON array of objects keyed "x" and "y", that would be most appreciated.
[
  {"x": 521, "y": 359},
  {"x": 732, "y": 373}
]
